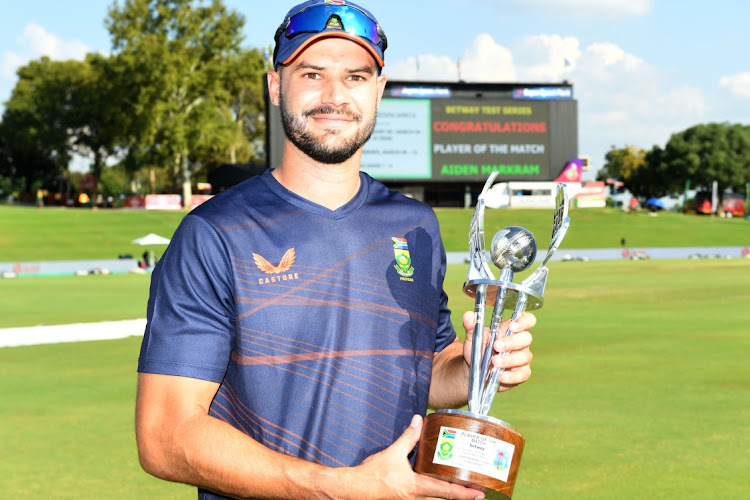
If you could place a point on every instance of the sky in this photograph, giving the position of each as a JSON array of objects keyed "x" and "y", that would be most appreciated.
[{"x": 641, "y": 69}]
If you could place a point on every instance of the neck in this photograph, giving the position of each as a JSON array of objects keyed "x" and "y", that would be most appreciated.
[{"x": 328, "y": 185}]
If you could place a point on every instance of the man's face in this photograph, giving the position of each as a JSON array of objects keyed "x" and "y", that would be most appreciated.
[{"x": 328, "y": 98}]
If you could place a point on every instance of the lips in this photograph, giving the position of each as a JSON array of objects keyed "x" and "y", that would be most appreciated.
[
  {"x": 328, "y": 113},
  {"x": 332, "y": 119}
]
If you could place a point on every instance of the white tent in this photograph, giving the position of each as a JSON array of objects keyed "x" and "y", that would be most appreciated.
[{"x": 151, "y": 239}]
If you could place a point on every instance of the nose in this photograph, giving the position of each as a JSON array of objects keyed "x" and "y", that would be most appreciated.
[{"x": 335, "y": 93}]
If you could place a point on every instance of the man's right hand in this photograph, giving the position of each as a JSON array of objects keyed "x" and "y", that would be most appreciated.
[{"x": 388, "y": 474}]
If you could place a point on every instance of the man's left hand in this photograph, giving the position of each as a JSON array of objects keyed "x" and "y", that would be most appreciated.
[{"x": 511, "y": 353}]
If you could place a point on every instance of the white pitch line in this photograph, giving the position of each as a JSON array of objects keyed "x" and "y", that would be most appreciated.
[{"x": 77, "y": 332}]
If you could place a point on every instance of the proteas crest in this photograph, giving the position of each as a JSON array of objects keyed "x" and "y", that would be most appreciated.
[{"x": 403, "y": 258}]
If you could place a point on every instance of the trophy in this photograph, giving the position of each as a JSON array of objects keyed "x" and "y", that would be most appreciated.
[{"x": 471, "y": 447}]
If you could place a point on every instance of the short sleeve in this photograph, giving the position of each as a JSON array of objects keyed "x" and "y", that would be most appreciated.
[
  {"x": 190, "y": 317},
  {"x": 446, "y": 334}
]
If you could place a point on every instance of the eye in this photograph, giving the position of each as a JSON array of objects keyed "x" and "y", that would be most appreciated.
[{"x": 312, "y": 76}]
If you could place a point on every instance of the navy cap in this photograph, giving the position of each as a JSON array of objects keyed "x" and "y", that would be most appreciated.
[{"x": 325, "y": 19}]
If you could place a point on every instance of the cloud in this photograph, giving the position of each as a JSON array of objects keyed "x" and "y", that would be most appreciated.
[
  {"x": 424, "y": 67},
  {"x": 622, "y": 99},
  {"x": 35, "y": 41},
  {"x": 545, "y": 58},
  {"x": 738, "y": 84},
  {"x": 41, "y": 42},
  {"x": 487, "y": 61},
  {"x": 8, "y": 65},
  {"x": 484, "y": 61}
]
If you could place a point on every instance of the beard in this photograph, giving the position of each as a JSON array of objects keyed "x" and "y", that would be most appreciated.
[{"x": 331, "y": 148}]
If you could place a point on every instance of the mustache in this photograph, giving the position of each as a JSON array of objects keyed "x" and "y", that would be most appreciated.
[{"x": 330, "y": 110}]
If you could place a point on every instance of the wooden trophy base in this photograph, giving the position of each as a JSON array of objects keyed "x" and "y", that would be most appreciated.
[{"x": 473, "y": 450}]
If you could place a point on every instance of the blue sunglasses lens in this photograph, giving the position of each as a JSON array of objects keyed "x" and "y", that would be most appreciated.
[{"x": 316, "y": 18}]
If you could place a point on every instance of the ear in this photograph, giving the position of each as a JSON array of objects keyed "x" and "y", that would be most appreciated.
[
  {"x": 382, "y": 79},
  {"x": 274, "y": 86}
]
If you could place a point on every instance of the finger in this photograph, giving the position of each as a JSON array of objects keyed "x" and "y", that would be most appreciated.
[
  {"x": 408, "y": 440},
  {"x": 515, "y": 359},
  {"x": 513, "y": 377},
  {"x": 524, "y": 322},
  {"x": 469, "y": 318},
  {"x": 516, "y": 342},
  {"x": 430, "y": 488}
]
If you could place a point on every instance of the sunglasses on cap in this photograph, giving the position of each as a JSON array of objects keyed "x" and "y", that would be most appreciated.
[{"x": 347, "y": 18}]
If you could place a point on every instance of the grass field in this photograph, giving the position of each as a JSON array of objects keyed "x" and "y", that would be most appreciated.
[
  {"x": 640, "y": 387},
  {"x": 67, "y": 428},
  {"x": 602, "y": 228},
  {"x": 29, "y": 234},
  {"x": 72, "y": 299}
]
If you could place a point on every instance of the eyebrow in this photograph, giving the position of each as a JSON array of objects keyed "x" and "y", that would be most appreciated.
[
  {"x": 363, "y": 69},
  {"x": 303, "y": 66},
  {"x": 307, "y": 66}
]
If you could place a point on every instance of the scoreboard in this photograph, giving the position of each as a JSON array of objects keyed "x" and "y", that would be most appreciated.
[{"x": 460, "y": 132}]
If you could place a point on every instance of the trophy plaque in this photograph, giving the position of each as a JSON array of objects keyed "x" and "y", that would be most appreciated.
[{"x": 471, "y": 447}]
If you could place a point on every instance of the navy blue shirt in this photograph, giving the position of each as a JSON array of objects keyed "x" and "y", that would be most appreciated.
[{"x": 319, "y": 325}]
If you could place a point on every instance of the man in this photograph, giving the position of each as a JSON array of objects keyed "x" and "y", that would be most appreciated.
[{"x": 297, "y": 324}]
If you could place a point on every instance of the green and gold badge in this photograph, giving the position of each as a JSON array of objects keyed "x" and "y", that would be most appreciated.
[{"x": 403, "y": 258}]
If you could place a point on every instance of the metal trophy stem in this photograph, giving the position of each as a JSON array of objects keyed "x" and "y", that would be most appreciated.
[
  {"x": 513, "y": 249},
  {"x": 536, "y": 283},
  {"x": 470, "y": 447},
  {"x": 480, "y": 272}
]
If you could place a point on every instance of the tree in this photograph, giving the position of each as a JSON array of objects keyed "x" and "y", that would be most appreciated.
[
  {"x": 6, "y": 163},
  {"x": 96, "y": 115},
  {"x": 710, "y": 152},
  {"x": 115, "y": 180},
  {"x": 626, "y": 165},
  {"x": 622, "y": 163},
  {"x": 36, "y": 122},
  {"x": 701, "y": 154},
  {"x": 59, "y": 108},
  {"x": 654, "y": 179},
  {"x": 175, "y": 52},
  {"x": 242, "y": 103},
  {"x": 237, "y": 133},
  {"x": 10, "y": 178}
]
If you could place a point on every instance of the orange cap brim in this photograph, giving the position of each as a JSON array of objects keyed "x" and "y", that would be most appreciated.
[{"x": 332, "y": 34}]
